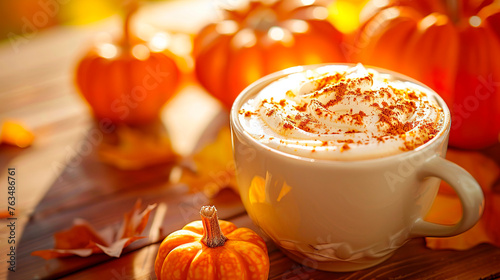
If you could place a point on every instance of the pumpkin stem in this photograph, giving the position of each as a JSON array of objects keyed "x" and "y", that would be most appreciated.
[
  {"x": 453, "y": 10},
  {"x": 131, "y": 7},
  {"x": 212, "y": 234}
]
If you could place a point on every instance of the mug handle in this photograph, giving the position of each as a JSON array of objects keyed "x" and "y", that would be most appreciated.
[{"x": 468, "y": 190}]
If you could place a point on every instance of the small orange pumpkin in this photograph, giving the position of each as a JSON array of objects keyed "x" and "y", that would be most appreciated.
[
  {"x": 212, "y": 249},
  {"x": 126, "y": 82},
  {"x": 261, "y": 38}
]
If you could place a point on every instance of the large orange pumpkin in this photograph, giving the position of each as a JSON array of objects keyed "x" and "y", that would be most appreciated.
[
  {"x": 452, "y": 46},
  {"x": 261, "y": 38},
  {"x": 126, "y": 82},
  {"x": 212, "y": 249}
]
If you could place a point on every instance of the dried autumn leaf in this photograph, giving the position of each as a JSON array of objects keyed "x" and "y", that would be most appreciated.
[
  {"x": 135, "y": 222},
  {"x": 83, "y": 240},
  {"x": 214, "y": 167},
  {"x": 78, "y": 236},
  {"x": 79, "y": 240},
  {"x": 13, "y": 133},
  {"x": 4, "y": 214},
  {"x": 447, "y": 208},
  {"x": 130, "y": 147}
]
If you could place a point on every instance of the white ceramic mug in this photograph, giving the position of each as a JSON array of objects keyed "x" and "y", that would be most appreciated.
[{"x": 347, "y": 215}]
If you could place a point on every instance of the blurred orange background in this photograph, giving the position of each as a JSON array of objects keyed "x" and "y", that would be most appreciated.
[{"x": 20, "y": 15}]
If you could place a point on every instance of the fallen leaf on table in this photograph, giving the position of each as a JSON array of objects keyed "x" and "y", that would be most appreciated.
[
  {"x": 13, "y": 133},
  {"x": 5, "y": 214},
  {"x": 136, "y": 147},
  {"x": 83, "y": 240},
  {"x": 447, "y": 208},
  {"x": 213, "y": 167}
]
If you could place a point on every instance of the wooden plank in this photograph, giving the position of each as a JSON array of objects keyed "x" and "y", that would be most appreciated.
[
  {"x": 102, "y": 202},
  {"x": 36, "y": 87},
  {"x": 101, "y": 194},
  {"x": 139, "y": 264},
  {"x": 412, "y": 261}
]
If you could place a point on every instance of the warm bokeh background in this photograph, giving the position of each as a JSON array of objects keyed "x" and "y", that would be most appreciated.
[
  {"x": 50, "y": 135},
  {"x": 14, "y": 15}
]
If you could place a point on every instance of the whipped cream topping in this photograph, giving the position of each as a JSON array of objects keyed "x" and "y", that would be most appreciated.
[{"x": 341, "y": 113}]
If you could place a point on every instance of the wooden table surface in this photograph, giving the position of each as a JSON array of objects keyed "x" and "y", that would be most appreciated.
[{"x": 58, "y": 183}]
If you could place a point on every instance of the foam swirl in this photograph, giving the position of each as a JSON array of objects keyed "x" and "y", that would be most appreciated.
[{"x": 343, "y": 115}]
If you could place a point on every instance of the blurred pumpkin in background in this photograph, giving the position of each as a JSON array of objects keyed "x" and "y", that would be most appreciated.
[
  {"x": 127, "y": 82},
  {"x": 451, "y": 46},
  {"x": 259, "y": 38}
]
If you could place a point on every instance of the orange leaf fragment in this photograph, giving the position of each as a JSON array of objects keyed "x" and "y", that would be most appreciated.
[
  {"x": 214, "y": 167},
  {"x": 447, "y": 208},
  {"x": 13, "y": 133},
  {"x": 79, "y": 236},
  {"x": 83, "y": 240},
  {"x": 4, "y": 214},
  {"x": 135, "y": 221},
  {"x": 79, "y": 240},
  {"x": 136, "y": 147}
]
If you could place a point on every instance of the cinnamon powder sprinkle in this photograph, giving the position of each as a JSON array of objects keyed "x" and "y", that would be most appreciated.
[
  {"x": 304, "y": 125},
  {"x": 302, "y": 108},
  {"x": 395, "y": 108},
  {"x": 287, "y": 126},
  {"x": 345, "y": 147},
  {"x": 412, "y": 95},
  {"x": 358, "y": 118},
  {"x": 340, "y": 91},
  {"x": 246, "y": 113},
  {"x": 318, "y": 111}
]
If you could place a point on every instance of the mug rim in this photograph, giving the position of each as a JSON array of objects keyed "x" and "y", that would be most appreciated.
[{"x": 250, "y": 90}]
